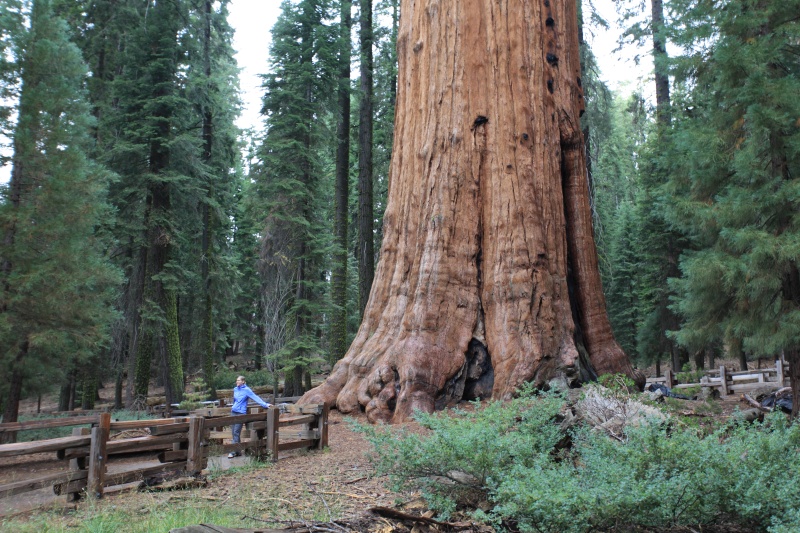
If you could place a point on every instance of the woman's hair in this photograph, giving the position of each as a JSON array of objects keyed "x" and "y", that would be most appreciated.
[{"x": 242, "y": 378}]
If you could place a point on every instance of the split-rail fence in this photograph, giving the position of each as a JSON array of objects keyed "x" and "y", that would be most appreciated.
[
  {"x": 728, "y": 382},
  {"x": 184, "y": 444}
]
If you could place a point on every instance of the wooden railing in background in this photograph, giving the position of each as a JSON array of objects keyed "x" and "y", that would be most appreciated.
[
  {"x": 185, "y": 444},
  {"x": 729, "y": 382}
]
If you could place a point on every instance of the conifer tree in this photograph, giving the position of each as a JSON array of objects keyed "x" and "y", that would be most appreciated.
[
  {"x": 212, "y": 88},
  {"x": 338, "y": 330},
  {"x": 734, "y": 176},
  {"x": 10, "y": 27},
  {"x": 56, "y": 283},
  {"x": 366, "y": 217},
  {"x": 154, "y": 151},
  {"x": 297, "y": 93}
]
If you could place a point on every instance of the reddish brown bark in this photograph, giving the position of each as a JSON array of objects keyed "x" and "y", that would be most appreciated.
[{"x": 488, "y": 218}]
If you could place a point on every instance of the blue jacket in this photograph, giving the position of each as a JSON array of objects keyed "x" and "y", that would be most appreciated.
[{"x": 240, "y": 396}]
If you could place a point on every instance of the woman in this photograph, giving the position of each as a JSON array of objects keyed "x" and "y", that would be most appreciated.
[{"x": 241, "y": 393}]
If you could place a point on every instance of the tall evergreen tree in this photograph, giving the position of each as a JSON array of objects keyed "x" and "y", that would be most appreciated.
[
  {"x": 56, "y": 284},
  {"x": 664, "y": 244},
  {"x": 734, "y": 160},
  {"x": 212, "y": 87},
  {"x": 366, "y": 217},
  {"x": 338, "y": 330},
  {"x": 10, "y": 28},
  {"x": 157, "y": 152},
  {"x": 305, "y": 67}
]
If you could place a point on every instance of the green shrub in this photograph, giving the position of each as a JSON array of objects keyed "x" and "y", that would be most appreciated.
[
  {"x": 464, "y": 450},
  {"x": 656, "y": 476}
]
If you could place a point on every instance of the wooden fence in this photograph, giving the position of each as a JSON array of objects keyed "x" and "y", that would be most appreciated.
[
  {"x": 728, "y": 382},
  {"x": 184, "y": 444}
]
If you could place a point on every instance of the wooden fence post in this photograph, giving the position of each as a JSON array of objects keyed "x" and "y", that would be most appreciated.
[
  {"x": 670, "y": 378},
  {"x": 321, "y": 424},
  {"x": 97, "y": 456},
  {"x": 273, "y": 418},
  {"x": 77, "y": 463},
  {"x": 723, "y": 380},
  {"x": 194, "y": 452},
  {"x": 779, "y": 371}
]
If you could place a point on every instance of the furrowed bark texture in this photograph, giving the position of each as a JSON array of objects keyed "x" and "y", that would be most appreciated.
[{"x": 488, "y": 217}]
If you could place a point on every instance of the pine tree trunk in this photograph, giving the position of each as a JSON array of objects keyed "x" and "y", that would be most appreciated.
[
  {"x": 144, "y": 360},
  {"x": 366, "y": 247},
  {"x": 174, "y": 377},
  {"x": 660, "y": 59},
  {"x": 207, "y": 342},
  {"x": 791, "y": 297},
  {"x": 11, "y": 406},
  {"x": 118, "y": 404},
  {"x": 488, "y": 227},
  {"x": 700, "y": 359},
  {"x": 793, "y": 357},
  {"x": 342, "y": 192}
]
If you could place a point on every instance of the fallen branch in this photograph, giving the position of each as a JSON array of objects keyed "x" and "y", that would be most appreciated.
[
  {"x": 356, "y": 496},
  {"x": 399, "y": 515},
  {"x": 747, "y": 399}
]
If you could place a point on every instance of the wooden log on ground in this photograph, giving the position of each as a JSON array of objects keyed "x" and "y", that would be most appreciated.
[
  {"x": 207, "y": 528},
  {"x": 750, "y": 401}
]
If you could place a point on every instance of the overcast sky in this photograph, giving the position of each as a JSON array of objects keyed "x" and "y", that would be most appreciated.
[{"x": 253, "y": 21}]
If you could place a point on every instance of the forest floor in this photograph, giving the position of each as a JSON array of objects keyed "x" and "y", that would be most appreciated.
[{"x": 302, "y": 487}]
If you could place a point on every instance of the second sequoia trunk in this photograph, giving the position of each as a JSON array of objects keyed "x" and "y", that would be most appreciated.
[{"x": 488, "y": 275}]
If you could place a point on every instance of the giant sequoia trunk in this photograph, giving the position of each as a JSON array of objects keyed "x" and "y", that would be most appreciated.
[{"x": 488, "y": 258}]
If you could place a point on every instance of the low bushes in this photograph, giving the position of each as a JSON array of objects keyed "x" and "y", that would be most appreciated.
[{"x": 516, "y": 462}]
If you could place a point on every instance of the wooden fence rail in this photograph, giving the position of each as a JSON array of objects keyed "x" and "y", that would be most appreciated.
[
  {"x": 731, "y": 382},
  {"x": 184, "y": 444}
]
